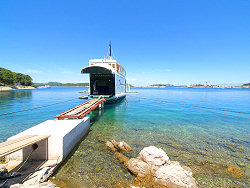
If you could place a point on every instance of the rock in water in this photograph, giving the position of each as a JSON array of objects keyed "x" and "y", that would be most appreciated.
[
  {"x": 153, "y": 156},
  {"x": 138, "y": 167},
  {"x": 236, "y": 171},
  {"x": 153, "y": 167},
  {"x": 174, "y": 175},
  {"x": 110, "y": 146},
  {"x": 113, "y": 146},
  {"x": 115, "y": 143},
  {"x": 122, "y": 158},
  {"x": 123, "y": 146}
]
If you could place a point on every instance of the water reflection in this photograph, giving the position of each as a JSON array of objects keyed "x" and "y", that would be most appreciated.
[{"x": 9, "y": 95}]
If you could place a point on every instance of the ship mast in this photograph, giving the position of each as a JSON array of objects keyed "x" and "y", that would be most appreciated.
[{"x": 110, "y": 50}]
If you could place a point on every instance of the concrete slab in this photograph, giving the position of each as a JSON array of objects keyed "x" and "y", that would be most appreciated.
[{"x": 64, "y": 134}]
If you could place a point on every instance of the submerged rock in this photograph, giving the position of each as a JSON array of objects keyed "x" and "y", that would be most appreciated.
[
  {"x": 122, "y": 158},
  {"x": 115, "y": 143},
  {"x": 174, "y": 175},
  {"x": 110, "y": 146},
  {"x": 138, "y": 167},
  {"x": 113, "y": 146},
  {"x": 237, "y": 172},
  {"x": 123, "y": 146}
]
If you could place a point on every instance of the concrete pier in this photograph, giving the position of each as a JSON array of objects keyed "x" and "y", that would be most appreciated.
[
  {"x": 57, "y": 139},
  {"x": 64, "y": 134}
]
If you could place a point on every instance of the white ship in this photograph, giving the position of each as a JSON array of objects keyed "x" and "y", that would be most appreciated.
[{"x": 107, "y": 78}]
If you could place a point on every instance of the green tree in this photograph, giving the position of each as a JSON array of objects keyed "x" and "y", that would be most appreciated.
[
  {"x": 18, "y": 77},
  {"x": 28, "y": 80},
  {"x": 1, "y": 75},
  {"x": 248, "y": 84},
  {"x": 6, "y": 76}
]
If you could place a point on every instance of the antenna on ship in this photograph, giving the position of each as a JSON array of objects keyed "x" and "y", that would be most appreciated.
[{"x": 110, "y": 49}]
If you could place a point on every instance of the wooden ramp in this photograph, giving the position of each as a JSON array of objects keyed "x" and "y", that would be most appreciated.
[
  {"x": 80, "y": 111},
  {"x": 13, "y": 145}
]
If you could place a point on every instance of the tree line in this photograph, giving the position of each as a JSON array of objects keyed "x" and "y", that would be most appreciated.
[
  {"x": 248, "y": 84},
  {"x": 62, "y": 84},
  {"x": 8, "y": 77},
  {"x": 160, "y": 85}
]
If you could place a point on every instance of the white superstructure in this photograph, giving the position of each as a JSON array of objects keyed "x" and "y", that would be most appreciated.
[{"x": 107, "y": 77}]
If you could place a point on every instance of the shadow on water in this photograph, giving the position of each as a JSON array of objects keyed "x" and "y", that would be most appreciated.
[
  {"x": 76, "y": 147},
  {"x": 96, "y": 114}
]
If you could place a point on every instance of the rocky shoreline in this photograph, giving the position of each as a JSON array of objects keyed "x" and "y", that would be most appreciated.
[
  {"x": 8, "y": 88},
  {"x": 150, "y": 167},
  {"x": 153, "y": 167}
]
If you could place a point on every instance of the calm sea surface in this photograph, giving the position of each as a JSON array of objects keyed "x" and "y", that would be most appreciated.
[{"x": 209, "y": 141}]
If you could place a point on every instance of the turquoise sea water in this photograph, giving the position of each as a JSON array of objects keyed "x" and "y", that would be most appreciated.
[{"x": 208, "y": 141}]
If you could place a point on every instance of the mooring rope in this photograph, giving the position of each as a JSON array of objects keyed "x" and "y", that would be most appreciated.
[
  {"x": 9, "y": 113},
  {"x": 202, "y": 107}
]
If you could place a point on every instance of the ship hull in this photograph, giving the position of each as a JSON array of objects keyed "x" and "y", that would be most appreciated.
[
  {"x": 114, "y": 99},
  {"x": 110, "y": 99}
]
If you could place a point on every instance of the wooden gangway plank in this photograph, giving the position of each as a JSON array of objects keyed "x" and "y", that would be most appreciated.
[
  {"x": 73, "y": 108},
  {"x": 81, "y": 110},
  {"x": 16, "y": 144},
  {"x": 84, "y": 107}
]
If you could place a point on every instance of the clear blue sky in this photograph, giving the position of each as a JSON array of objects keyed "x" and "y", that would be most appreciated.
[{"x": 177, "y": 41}]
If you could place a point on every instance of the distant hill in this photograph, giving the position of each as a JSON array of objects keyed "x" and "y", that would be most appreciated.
[
  {"x": 161, "y": 85},
  {"x": 248, "y": 84},
  {"x": 230, "y": 84},
  {"x": 62, "y": 84}
]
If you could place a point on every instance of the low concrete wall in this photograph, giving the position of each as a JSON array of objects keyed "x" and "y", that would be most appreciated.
[{"x": 64, "y": 135}]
